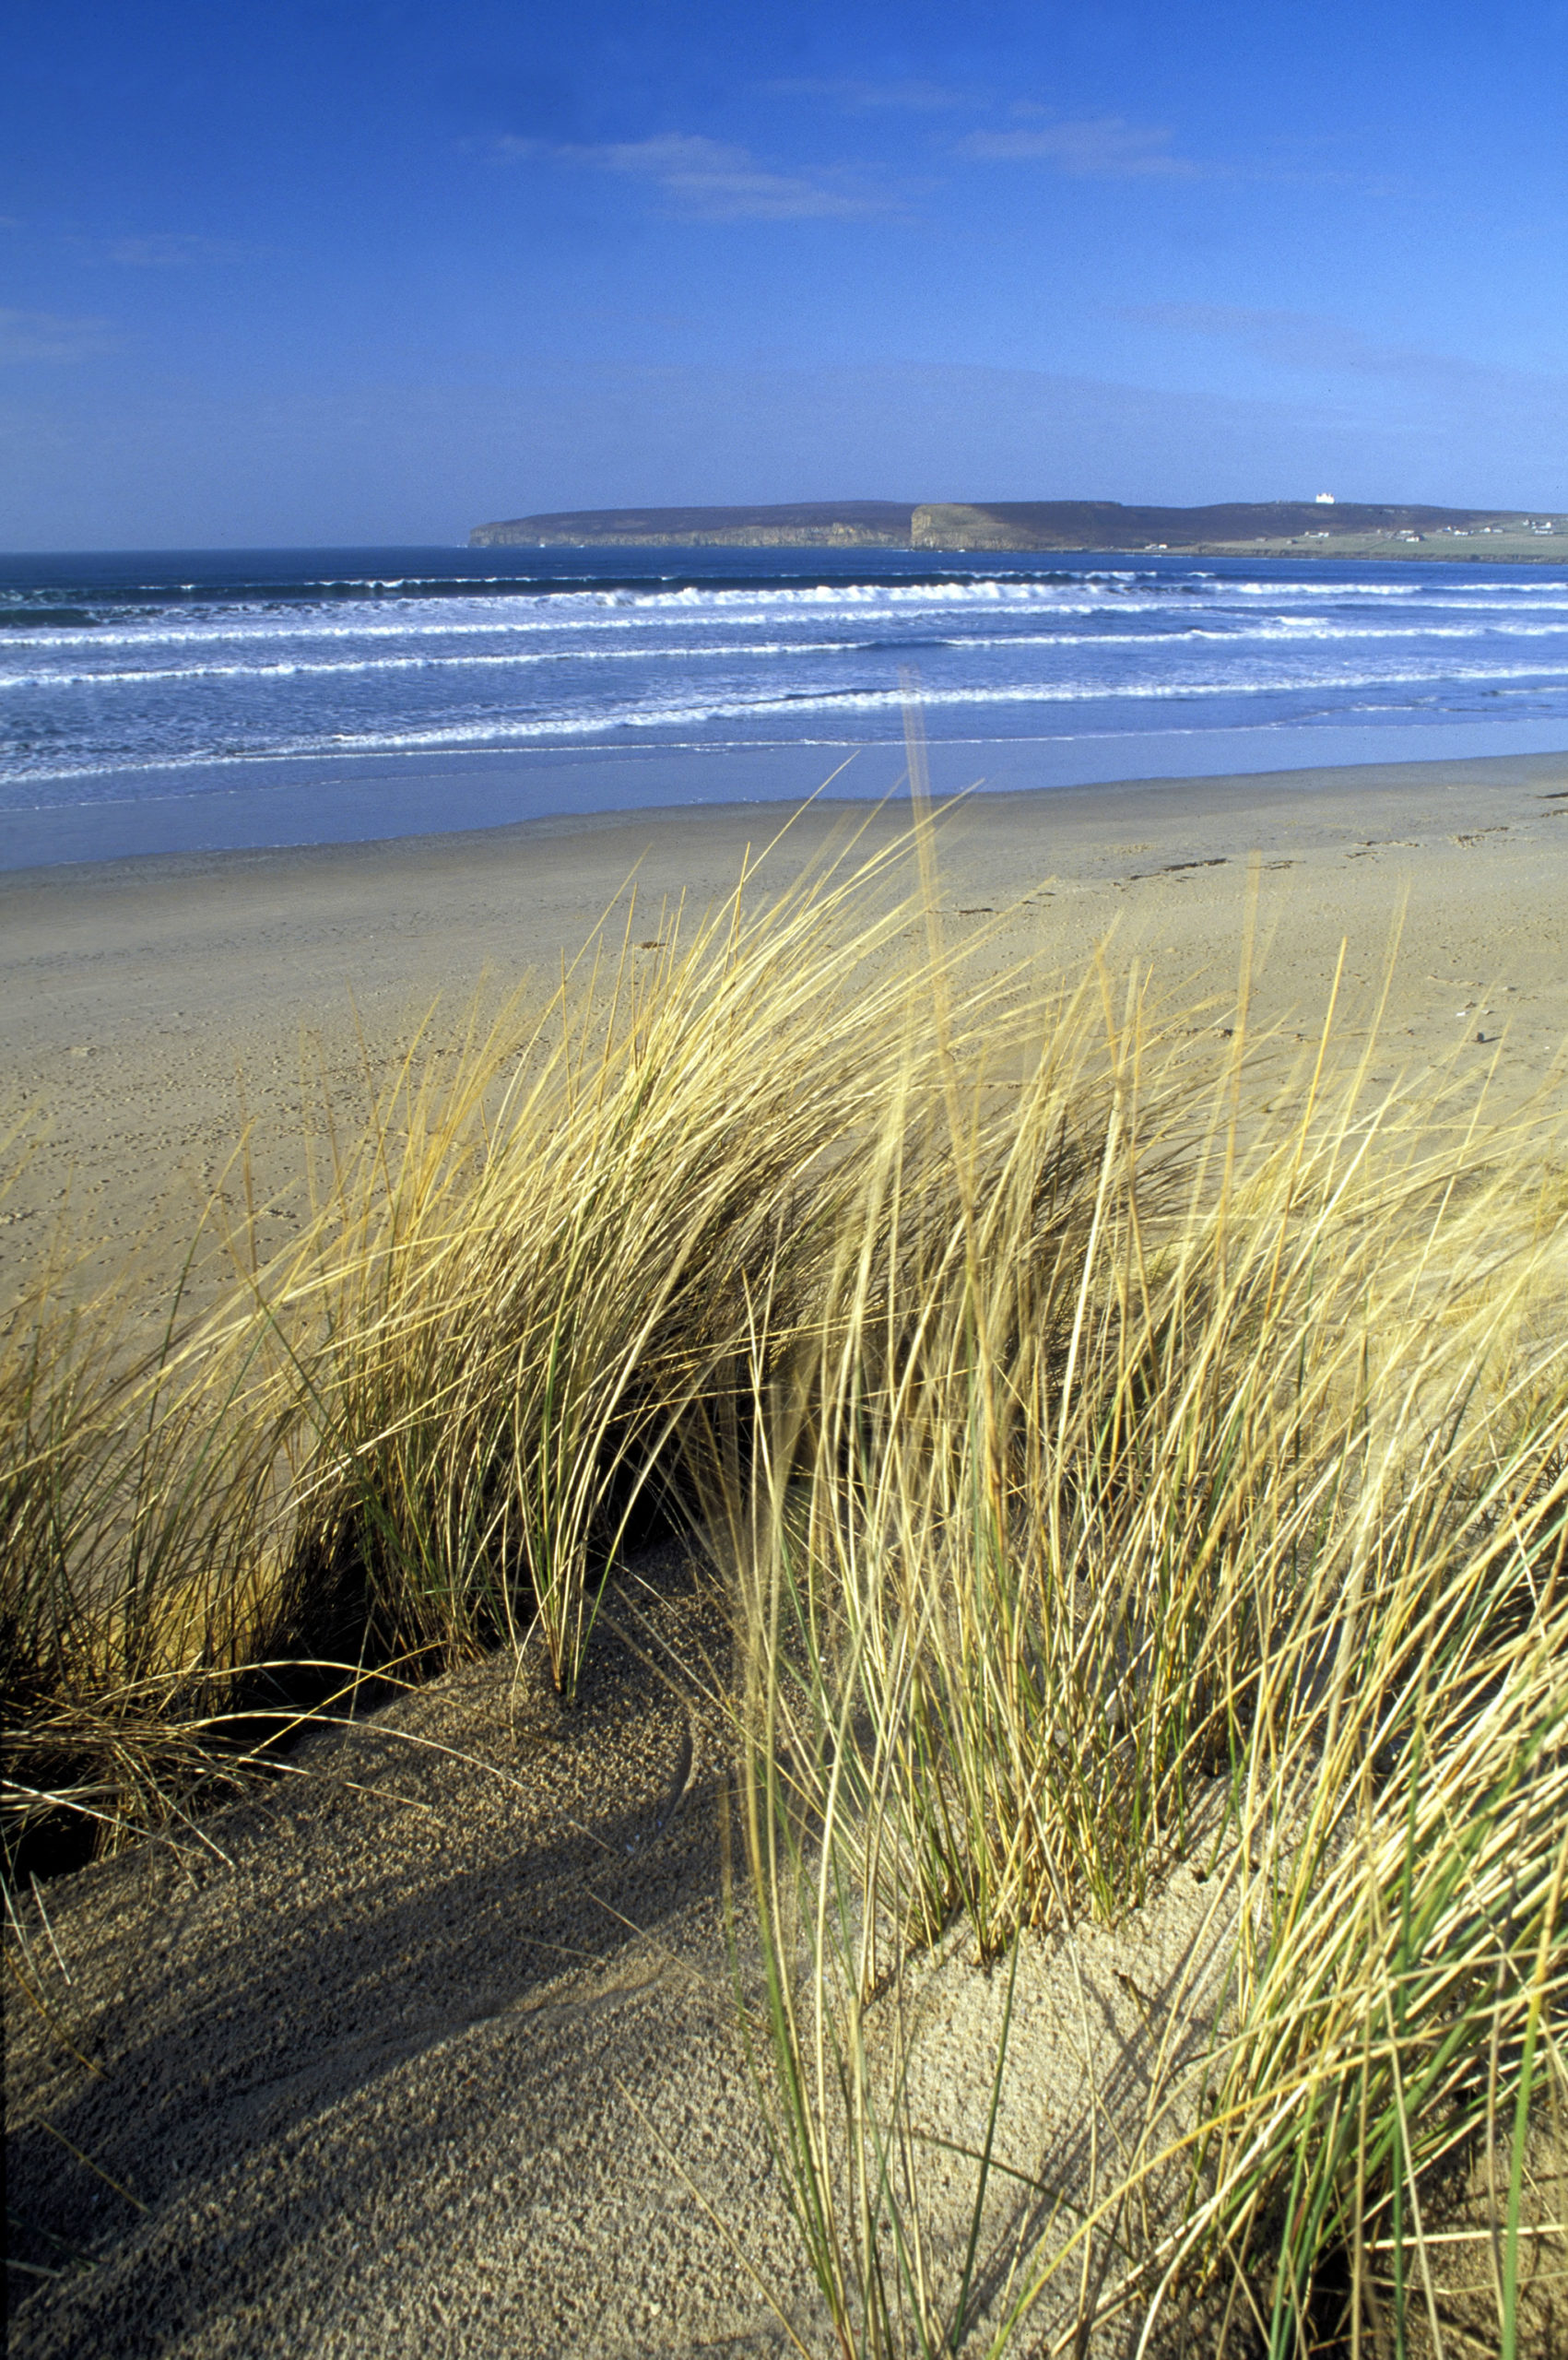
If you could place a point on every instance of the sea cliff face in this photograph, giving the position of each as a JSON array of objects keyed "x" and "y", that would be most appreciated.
[{"x": 1239, "y": 528}]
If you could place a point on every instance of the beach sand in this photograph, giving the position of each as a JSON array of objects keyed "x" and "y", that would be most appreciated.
[
  {"x": 434, "y": 2048},
  {"x": 427, "y": 2052},
  {"x": 154, "y": 1006}
]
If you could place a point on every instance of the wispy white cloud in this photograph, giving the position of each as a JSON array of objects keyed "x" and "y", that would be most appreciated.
[
  {"x": 51, "y": 336},
  {"x": 1103, "y": 147},
  {"x": 910, "y": 96},
  {"x": 166, "y": 251},
  {"x": 1293, "y": 339},
  {"x": 710, "y": 180},
  {"x": 1308, "y": 341}
]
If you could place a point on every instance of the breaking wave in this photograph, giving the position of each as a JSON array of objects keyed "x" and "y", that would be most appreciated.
[{"x": 124, "y": 667}]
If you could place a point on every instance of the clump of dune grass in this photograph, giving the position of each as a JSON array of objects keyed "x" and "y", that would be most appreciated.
[
  {"x": 428, "y": 1426},
  {"x": 1108, "y": 1472},
  {"x": 526, "y": 1279},
  {"x": 144, "y": 1526},
  {"x": 1157, "y": 1476}
]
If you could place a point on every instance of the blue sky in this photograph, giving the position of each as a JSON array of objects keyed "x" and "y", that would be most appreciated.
[{"x": 371, "y": 273}]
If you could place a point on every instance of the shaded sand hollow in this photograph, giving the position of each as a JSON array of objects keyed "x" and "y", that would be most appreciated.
[{"x": 433, "y": 2048}]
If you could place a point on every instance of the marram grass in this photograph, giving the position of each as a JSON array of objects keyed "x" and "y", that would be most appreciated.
[
  {"x": 1139, "y": 1457},
  {"x": 1109, "y": 1468}
]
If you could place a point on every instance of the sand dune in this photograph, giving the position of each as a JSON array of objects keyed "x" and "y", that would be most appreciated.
[{"x": 434, "y": 2047}]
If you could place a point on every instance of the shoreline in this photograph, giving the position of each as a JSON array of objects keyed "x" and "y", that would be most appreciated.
[{"x": 278, "y": 803}]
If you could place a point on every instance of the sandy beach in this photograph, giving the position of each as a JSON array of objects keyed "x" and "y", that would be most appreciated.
[
  {"x": 156, "y": 1007},
  {"x": 434, "y": 2051}
]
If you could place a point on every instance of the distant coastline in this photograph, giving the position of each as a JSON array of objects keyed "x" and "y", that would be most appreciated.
[{"x": 1318, "y": 527}]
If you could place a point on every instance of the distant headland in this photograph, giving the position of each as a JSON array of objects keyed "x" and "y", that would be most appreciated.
[{"x": 1321, "y": 526}]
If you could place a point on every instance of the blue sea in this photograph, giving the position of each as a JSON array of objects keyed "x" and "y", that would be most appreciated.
[{"x": 184, "y": 698}]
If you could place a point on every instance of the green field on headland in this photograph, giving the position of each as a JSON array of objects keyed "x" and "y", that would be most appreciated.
[{"x": 1261, "y": 528}]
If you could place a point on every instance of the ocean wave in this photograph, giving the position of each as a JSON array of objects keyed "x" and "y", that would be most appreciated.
[
  {"x": 1284, "y": 632},
  {"x": 496, "y": 738},
  {"x": 157, "y": 679},
  {"x": 305, "y": 667},
  {"x": 273, "y": 629},
  {"x": 1419, "y": 586},
  {"x": 495, "y": 729},
  {"x": 1241, "y": 630}
]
